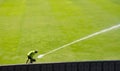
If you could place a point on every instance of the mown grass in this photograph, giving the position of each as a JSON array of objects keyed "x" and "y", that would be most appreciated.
[{"x": 46, "y": 25}]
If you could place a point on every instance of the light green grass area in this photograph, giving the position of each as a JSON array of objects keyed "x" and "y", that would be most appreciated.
[{"x": 45, "y": 25}]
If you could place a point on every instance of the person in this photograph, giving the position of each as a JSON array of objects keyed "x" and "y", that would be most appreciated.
[{"x": 30, "y": 55}]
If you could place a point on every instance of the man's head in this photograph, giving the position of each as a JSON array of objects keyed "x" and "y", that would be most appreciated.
[{"x": 36, "y": 51}]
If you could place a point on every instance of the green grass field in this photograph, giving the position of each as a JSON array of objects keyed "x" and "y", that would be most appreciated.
[{"x": 44, "y": 25}]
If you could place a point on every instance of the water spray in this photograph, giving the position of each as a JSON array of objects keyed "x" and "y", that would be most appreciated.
[{"x": 81, "y": 39}]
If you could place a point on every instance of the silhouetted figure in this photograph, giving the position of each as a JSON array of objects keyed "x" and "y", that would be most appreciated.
[{"x": 30, "y": 55}]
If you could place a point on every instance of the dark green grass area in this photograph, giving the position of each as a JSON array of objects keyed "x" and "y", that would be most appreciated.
[{"x": 48, "y": 24}]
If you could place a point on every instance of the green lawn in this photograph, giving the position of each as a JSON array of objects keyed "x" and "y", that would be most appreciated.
[{"x": 48, "y": 24}]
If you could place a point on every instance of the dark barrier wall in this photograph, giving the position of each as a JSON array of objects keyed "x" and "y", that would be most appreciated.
[{"x": 68, "y": 66}]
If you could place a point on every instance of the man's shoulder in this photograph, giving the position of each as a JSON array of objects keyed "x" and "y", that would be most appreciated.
[{"x": 30, "y": 52}]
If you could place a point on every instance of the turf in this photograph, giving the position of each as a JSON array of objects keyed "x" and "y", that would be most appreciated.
[{"x": 48, "y": 24}]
